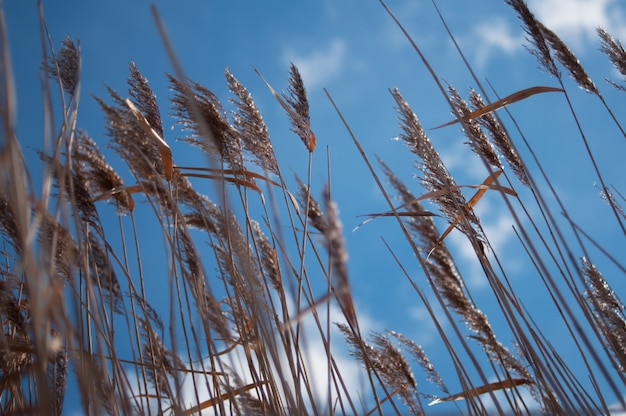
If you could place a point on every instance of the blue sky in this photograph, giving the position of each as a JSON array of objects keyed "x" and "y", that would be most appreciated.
[{"x": 354, "y": 50}]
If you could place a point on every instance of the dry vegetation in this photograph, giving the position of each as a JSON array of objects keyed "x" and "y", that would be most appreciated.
[{"x": 243, "y": 258}]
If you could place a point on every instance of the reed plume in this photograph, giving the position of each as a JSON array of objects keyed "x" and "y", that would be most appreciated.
[{"x": 153, "y": 293}]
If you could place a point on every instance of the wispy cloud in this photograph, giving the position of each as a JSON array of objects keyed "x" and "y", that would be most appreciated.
[
  {"x": 319, "y": 66},
  {"x": 495, "y": 36},
  {"x": 576, "y": 20},
  {"x": 313, "y": 353}
]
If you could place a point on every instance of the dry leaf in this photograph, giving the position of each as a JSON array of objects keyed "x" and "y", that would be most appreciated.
[
  {"x": 166, "y": 153},
  {"x": 222, "y": 398},
  {"x": 505, "y": 384},
  {"x": 472, "y": 202},
  {"x": 510, "y": 99}
]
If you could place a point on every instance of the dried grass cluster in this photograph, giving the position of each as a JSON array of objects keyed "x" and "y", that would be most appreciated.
[{"x": 242, "y": 259}]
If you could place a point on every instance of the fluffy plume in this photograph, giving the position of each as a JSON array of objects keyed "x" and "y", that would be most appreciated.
[
  {"x": 100, "y": 180},
  {"x": 130, "y": 140},
  {"x": 416, "y": 351},
  {"x": 144, "y": 98},
  {"x": 609, "y": 197},
  {"x": 568, "y": 60},
  {"x": 65, "y": 66},
  {"x": 477, "y": 139},
  {"x": 162, "y": 365},
  {"x": 615, "y": 51},
  {"x": 384, "y": 359},
  {"x": 448, "y": 282},
  {"x": 60, "y": 247},
  {"x": 608, "y": 312},
  {"x": 436, "y": 177},
  {"x": 500, "y": 138},
  {"x": 438, "y": 260},
  {"x": 269, "y": 258},
  {"x": 535, "y": 37},
  {"x": 297, "y": 100},
  {"x": 57, "y": 379},
  {"x": 198, "y": 111},
  {"x": 250, "y": 126},
  {"x": 315, "y": 214}
]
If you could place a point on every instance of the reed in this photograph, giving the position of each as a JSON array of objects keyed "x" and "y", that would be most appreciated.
[{"x": 237, "y": 328}]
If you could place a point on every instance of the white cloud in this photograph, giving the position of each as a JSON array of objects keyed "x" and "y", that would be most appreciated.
[
  {"x": 320, "y": 66},
  {"x": 494, "y": 36},
  {"x": 313, "y": 354},
  {"x": 575, "y": 21},
  {"x": 427, "y": 329}
]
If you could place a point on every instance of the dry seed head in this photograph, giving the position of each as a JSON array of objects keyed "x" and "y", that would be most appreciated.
[
  {"x": 191, "y": 258},
  {"x": 477, "y": 321},
  {"x": 144, "y": 98},
  {"x": 57, "y": 374},
  {"x": 616, "y": 53},
  {"x": 269, "y": 258},
  {"x": 297, "y": 100},
  {"x": 250, "y": 126},
  {"x": 447, "y": 281},
  {"x": 396, "y": 372},
  {"x": 199, "y": 111},
  {"x": 101, "y": 180},
  {"x": 439, "y": 261},
  {"x": 388, "y": 363},
  {"x": 431, "y": 373},
  {"x": 535, "y": 37},
  {"x": 184, "y": 192},
  {"x": 477, "y": 139},
  {"x": 14, "y": 363},
  {"x": 608, "y": 311},
  {"x": 339, "y": 259},
  {"x": 500, "y": 138},
  {"x": 315, "y": 214},
  {"x": 61, "y": 248},
  {"x": 436, "y": 177},
  {"x": 568, "y": 60},
  {"x": 130, "y": 140},
  {"x": 8, "y": 224},
  {"x": 608, "y": 196},
  {"x": 614, "y": 50},
  {"x": 65, "y": 66},
  {"x": 83, "y": 200},
  {"x": 395, "y": 363},
  {"x": 599, "y": 289},
  {"x": 154, "y": 138},
  {"x": 149, "y": 313},
  {"x": 161, "y": 362}
]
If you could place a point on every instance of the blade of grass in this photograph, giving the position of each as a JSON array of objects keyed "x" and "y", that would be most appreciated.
[
  {"x": 477, "y": 391},
  {"x": 164, "y": 149},
  {"x": 509, "y": 99}
]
